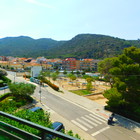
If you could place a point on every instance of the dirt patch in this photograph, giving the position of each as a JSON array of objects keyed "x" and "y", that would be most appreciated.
[
  {"x": 98, "y": 98},
  {"x": 98, "y": 87}
]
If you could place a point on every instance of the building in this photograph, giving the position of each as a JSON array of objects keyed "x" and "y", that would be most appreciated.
[
  {"x": 87, "y": 64},
  {"x": 69, "y": 64},
  {"x": 35, "y": 71}
]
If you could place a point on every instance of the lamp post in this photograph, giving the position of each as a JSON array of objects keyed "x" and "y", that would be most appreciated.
[
  {"x": 40, "y": 83},
  {"x": 14, "y": 77},
  {"x": 40, "y": 91},
  {"x": 4, "y": 87}
]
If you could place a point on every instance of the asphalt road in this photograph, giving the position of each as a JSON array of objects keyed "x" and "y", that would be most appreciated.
[{"x": 91, "y": 123}]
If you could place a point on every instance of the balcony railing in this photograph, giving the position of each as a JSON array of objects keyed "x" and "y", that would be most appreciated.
[{"x": 10, "y": 132}]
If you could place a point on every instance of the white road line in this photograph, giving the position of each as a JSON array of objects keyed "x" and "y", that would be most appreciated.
[
  {"x": 93, "y": 119},
  {"x": 79, "y": 125},
  {"x": 84, "y": 123},
  {"x": 97, "y": 118},
  {"x": 101, "y": 130},
  {"x": 89, "y": 121}
]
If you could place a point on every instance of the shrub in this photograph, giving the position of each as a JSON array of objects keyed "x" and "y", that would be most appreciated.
[
  {"x": 2, "y": 97},
  {"x": 26, "y": 76},
  {"x": 5, "y": 79},
  {"x": 44, "y": 80}
]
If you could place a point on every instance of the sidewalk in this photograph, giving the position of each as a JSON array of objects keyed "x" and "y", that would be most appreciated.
[{"x": 94, "y": 107}]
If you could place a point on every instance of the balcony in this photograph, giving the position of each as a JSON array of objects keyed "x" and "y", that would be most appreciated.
[{"x": 9, "y": 132}]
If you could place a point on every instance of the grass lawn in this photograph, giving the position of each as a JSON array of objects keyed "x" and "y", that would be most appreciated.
[{"x": 80, "y": 92}]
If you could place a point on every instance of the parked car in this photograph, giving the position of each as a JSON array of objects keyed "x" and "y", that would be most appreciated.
[
  {"x": 5, "y": 87},
  {"x": 57, "y": 126},
  {"x": 35, "y": 109}
]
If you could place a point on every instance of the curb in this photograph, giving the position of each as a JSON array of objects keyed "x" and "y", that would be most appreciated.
[{"x": 134, "y": 122}]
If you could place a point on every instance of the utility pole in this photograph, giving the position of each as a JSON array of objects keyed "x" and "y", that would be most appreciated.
[
  {"x": 40, "y": 91},
  {"x": 14, "y": 76}
]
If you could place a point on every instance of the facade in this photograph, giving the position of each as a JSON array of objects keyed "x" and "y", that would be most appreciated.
[
  {"x": 69, "y": 64},
  {"x": 35, "y": 71},
  {"x": 3, "y": 58},
  {"x": 95, "y": 64},
  {"x": 87, "y": 64}
]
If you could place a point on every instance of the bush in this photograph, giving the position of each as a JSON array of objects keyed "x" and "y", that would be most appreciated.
[
  {"x": 44, "y": 80},
  {"x": 10, "y": 103},
  {"x": 26, "y": 76},
  {"x": 5, "y": 79},
  {"x": 2, "y": 97}
]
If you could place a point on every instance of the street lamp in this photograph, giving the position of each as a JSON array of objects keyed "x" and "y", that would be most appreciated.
[
  {"x": 40, "y": 83},
  {"x": 4, "y": 87},
  {"x": 14, "y": 77},
  {"x": 40, "y": 91}
]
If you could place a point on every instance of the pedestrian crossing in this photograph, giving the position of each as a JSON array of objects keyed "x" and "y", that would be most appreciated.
[{"x": 89, "y": 121}]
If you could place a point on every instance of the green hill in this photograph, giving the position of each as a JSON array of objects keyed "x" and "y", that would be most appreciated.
[
  {"x": 81, "y": 46},
  {"x": 23, "y": 46}
]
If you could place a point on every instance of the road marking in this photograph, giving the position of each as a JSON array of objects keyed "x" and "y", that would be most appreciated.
[
  {"x": 89, "y": 121},
  {"x": 93, "y": 119},
  {"x": 132, "y": 138},
  {"x": 79, "y": 125},
  {"x": 84, "y": 123},
  {"x": 101, "y": 130},
  {"x": 97, "y": 118}
]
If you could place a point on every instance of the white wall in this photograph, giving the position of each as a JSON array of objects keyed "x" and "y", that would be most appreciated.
[{"x": 35, "y": 70}]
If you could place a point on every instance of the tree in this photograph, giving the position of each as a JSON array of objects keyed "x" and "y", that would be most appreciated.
[
  {"x": 105, "y": 65},
  {"x": 3, "y": 73},
  {"x": 89, "y": 86},
  {"x": 71, "y": 76},
  {"x": 89, "y": 79},
  {"x": 21, "y": 89},
  {"x": 48, "y": 74},
  {"x": 57, "y": 72},
  {"x": 83, "y": 73},
  {"x": 85, "y": 77},
  {"x": 72, "y": 72},
  {"x": 124, "y": 72},
  {"x": 65, "y": 72},
  {"x": 54, "y": 76},
  {"x": 78, "y": 73}
]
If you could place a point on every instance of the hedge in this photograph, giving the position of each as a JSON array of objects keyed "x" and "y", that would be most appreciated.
[
  {"x": 2, "y": 97},
  {"x": 44, "y": 80}
]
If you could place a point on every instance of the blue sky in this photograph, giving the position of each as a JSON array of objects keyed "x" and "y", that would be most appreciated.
[{"x": 64, "y": 19}]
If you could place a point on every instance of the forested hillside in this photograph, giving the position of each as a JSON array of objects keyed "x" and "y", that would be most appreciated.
[
  {"x": 23, "y": 46},
  {"x": 81, "y": 46}
]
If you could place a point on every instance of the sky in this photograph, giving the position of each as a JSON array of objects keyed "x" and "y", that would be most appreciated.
[{"x": 64, "y": 19}]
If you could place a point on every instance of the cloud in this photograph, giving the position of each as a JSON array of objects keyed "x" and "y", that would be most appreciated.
[{"x": 38, "y": 3}]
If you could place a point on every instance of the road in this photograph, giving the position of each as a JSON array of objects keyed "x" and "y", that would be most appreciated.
[{"x": 90, "y": 122}]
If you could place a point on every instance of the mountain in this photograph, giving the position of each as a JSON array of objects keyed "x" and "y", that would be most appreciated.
[
  {"x": 81, "y": 46},
  {"x": 24, "y": 46}
]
